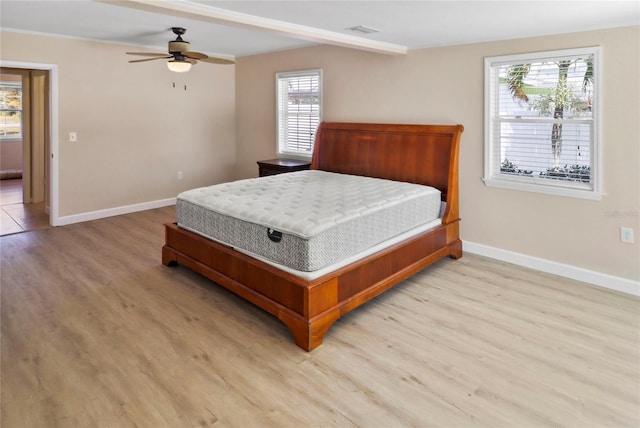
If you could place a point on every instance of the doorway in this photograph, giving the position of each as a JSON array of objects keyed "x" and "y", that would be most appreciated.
[{"x": 25, "y": 142}]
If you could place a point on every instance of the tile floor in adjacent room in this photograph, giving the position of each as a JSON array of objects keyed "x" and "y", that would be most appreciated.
[{"x": 16, "y": 216}]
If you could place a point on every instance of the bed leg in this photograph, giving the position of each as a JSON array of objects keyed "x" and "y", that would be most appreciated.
[
  {"x": 309, "y": 336},
  {"x": 455, "y": 249},
  {"x": 169, "y": 257}
]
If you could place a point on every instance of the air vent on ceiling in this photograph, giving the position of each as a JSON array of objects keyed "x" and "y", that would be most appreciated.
[{"x": 363, "y": 29}]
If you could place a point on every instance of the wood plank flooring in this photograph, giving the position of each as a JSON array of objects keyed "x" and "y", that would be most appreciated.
[{"x": 97, "y": 333}]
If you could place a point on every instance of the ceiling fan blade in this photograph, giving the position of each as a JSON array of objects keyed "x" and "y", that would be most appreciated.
[
  {"x": 194, "y": 55},
  {"x": 151, "y": 59},
  {"x": 146, "y": 53},
  {"x": 214, "y": 60}
]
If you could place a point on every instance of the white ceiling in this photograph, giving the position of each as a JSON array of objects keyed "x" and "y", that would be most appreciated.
[{"x": 240, "y": 28}]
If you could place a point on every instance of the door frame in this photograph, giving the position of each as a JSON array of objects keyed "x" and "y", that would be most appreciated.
[{"x": 54, "y": 209}]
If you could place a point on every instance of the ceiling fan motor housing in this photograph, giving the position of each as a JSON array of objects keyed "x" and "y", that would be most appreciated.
[{"x": 176, "y": 46}]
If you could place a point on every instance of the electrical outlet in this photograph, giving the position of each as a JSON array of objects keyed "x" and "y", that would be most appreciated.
[
  {"x": 626, "y": 235},
  {"x": 73, "y": 136},
  {"x": 179, "y": 175}
]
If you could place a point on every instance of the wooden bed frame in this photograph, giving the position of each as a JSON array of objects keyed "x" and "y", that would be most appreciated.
[{"x": 424, "y": 154}]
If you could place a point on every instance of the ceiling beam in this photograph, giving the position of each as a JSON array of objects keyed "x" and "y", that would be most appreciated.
[{"x": 191, "y": 10}]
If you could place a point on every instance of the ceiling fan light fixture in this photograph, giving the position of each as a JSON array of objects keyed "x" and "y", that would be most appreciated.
[{"x": 179, "y": 66}]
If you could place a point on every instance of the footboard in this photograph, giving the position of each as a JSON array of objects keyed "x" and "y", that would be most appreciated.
[{"x": 308, "y": 307}]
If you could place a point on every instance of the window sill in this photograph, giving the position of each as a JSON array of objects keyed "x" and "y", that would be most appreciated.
[
  {"x": 577, "y": 191},
  {"x": 11, "y": 140}
]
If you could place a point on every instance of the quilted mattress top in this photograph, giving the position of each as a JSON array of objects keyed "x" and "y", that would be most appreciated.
[{"x": 304, "y": 203}]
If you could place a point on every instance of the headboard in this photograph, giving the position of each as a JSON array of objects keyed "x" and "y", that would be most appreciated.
[{"x": 422, "y": 154}]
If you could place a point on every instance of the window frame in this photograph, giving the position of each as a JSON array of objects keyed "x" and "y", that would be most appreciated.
[
  {"x": 493, "y": 177},
  {"x": 17, "y": 86},
  {"x": 279, "y": 130}
]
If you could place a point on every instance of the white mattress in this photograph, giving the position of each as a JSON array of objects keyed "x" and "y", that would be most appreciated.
[
  {"x": 355, "y": 257},
  {"x": 307, "y": 220}
]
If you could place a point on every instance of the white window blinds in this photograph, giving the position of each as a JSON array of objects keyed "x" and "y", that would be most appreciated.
[
  {"x": 299, "y": 106},
  {"x": 540, "y": 121}
]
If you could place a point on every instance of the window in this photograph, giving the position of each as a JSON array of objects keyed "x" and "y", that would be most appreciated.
[
  {"x": 541, "y": 122},
  {"x": 10, "y": 110},
  {"x": 299, "y": 107}
]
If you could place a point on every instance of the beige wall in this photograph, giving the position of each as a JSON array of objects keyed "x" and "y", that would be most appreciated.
[
  {"x": 10, "y": 155},
  {"x": 445, "y": 85},
  {"x": 135, "y": 130}
]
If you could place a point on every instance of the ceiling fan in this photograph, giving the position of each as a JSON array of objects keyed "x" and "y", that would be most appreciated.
[{"x": 180, "y": 57}]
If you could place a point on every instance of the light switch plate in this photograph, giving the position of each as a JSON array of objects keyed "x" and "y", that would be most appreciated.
[{"x": 626, "y": 235}]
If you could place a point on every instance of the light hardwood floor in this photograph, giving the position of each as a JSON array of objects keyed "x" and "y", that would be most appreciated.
[{"x": 96, "y": 332}]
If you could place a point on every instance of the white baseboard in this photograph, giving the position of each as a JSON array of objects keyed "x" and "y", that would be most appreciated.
[
  {"x": 110, "y": 212},
  {"x": 596, "y": 278}
]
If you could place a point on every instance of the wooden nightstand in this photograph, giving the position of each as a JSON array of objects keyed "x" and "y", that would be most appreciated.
[{"x": 279, "y": 166}]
